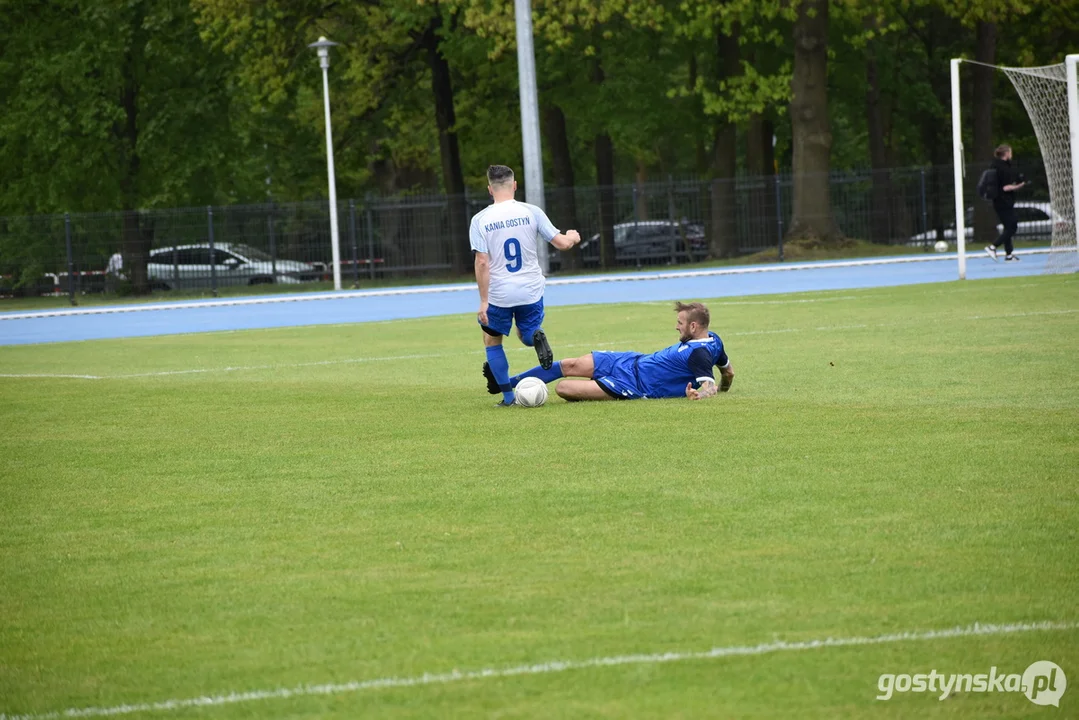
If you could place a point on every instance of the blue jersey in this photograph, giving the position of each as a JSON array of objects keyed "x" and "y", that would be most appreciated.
[{"x": 665, "y": 372}]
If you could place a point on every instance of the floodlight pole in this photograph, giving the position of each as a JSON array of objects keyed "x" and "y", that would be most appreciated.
[
  {"x": 1070, "y": 63},
  {"x": 530, "y": 126},
  {"x": 323, "y": 47},
  {"x": 957, "y": 153}
]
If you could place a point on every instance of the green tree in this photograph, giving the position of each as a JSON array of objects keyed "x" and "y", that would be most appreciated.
[
  {"x": 115, "y": 104},
  {"x": 585, "y": 81},
  {"x": 390, "y": 51},
  {"x": 737, "y": 83}
]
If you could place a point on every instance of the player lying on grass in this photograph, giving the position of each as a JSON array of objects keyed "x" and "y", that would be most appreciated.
[{"x": 684, "y": 368}]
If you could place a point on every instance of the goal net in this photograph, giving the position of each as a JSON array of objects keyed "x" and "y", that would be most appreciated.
[
  {"x": 1051, "y": 99},
  {"x": 1045, "y": 94}
]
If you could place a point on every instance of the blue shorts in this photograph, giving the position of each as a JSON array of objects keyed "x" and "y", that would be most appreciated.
[
  {"x": 616, "y": 373},
  {"x": 529, "y": 319}
]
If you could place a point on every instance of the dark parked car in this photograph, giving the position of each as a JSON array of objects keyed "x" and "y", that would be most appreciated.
[{"x": 651, "y": 242}]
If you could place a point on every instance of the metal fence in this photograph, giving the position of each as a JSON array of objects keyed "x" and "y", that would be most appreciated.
[{"x": 413, "y": 236}]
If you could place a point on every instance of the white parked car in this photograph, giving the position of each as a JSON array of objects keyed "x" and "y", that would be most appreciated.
[
  {"x": 1036, "y": 221},
  {"x": 234, "y": 264}
]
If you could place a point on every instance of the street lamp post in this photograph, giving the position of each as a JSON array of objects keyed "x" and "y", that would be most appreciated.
[
  {"x": 530, "y": 125},
  {"x": 323, "y": 47}
]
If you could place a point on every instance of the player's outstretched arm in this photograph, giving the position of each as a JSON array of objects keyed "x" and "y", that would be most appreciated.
[
  {"x": 726, "y": 377},
  {"x": 566, "y": 240}
]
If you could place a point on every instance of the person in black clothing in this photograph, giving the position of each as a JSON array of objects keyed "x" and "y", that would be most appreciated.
[{"x": 1008, "y": 181}]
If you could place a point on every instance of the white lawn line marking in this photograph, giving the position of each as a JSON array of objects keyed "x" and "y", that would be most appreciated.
[
  {"x": 555, "y": 666},
  {"x": 1022, "y": 314},
  {"x": 353, "y": 361},
  {"x": 666, "y": 303},
  {"x": 57, "y": 375},
  {"x": 346, "y": 361},
  {"x": 280, "y": 366},
  {"x": 766, "y": 332},
  {"x": 236, "y": 368}
]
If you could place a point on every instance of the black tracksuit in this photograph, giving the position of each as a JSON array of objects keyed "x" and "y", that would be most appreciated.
[{"x": 1004, "y": 203}]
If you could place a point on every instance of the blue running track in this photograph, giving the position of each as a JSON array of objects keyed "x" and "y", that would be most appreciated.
[{"x": 138, "y": 320}]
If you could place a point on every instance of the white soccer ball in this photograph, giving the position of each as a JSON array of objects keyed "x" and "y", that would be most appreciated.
[
  {"x": 941, "y": 246},
  {"x": 531, "y": 392}
]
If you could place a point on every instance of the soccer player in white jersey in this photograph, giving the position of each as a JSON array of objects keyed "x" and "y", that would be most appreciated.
[
  {"x": 505, "y": 238},
  {"x": 683, "y": 369}
]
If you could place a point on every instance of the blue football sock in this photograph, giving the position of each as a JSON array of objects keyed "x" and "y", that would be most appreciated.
[
  {"x": 538, "y": 372},
  {"x": 500, "y": 366}
]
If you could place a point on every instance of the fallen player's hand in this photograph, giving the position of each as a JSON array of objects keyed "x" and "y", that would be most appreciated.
[{"x": 706, "y": 390}]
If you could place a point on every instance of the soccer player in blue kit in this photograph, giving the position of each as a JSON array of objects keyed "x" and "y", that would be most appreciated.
[
  {"x": 683, "y": 369},
  {"x": 505, "y": 237}
]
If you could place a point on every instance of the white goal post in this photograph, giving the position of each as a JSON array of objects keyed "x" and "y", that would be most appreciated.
[{"x": 1051, "y": 99}]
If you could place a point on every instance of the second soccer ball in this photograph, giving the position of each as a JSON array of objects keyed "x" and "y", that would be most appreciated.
[
  {"x": 531, "y": 392},
  {"x": 941, "y": 246}
]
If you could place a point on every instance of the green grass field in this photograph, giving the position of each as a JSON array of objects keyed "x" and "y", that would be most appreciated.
[{"x": 249, "y": 511}]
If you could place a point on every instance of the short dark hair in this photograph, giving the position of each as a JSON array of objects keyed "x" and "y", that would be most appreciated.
[
  {"x": 695, "y": 312},
  {"x": 499, "y": 175},
  {"x": 1001, "y": 151}
]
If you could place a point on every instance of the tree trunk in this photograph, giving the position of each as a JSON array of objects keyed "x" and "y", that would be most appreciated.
[
  {"x": 760, "y": 155},
  {"x": 563, "y": 201},
  {"x": 396, "y": 245},
  {"x": 452, "y": 175},
  {"x": 937, "y": 36},
  {"x": 760, "y": 165},
  {"x": 985, "y": 220},
  {"x": 700, "y": 151},
  {"x": 136, "y": 244},
  {"x": 605, "y": 181},
  {"x": 723, "y": 239},
  {"x": 935, "y": 129},
  {"x": 880, "y": 220},
  {"x": 812, "y": 221},
  {"x": 640, "y": 195}
]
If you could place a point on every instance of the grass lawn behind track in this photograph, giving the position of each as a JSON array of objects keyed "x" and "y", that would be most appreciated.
[{"x": 888, "y": 460}]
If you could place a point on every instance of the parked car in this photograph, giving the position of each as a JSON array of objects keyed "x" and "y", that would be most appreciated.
[
  {"x": 234, "y": 264},
  {"x": 1036, "y": 222},
  {"x": 651, "y": 242}
]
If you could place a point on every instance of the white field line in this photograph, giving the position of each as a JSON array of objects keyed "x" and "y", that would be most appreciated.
[
  {"x": 391, "y": 358},
  {"x": 56, "y": 376},
  {"x": 317, "y": 363},
  {"x": 470, "y": 287},
  {"x": 1022, "y": 314},
  {"x": 283, "y": 366},
  {"x": 721, "y": 301},
  {"x": 555, "y": 666}
]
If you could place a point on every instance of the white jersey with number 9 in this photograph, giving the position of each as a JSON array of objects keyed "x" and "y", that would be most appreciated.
[{"x": 509, "y": 233}]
